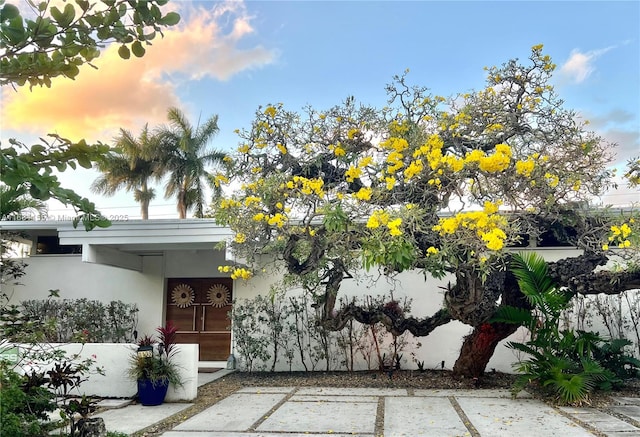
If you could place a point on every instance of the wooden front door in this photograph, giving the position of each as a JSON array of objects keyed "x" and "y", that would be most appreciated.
[{"x": 199, "y": 308}]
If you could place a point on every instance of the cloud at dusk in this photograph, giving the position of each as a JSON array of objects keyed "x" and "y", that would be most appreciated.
[{"x": 207, "y": 44}]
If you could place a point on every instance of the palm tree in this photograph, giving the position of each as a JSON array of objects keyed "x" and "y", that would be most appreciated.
[
  {"x": 184, "y": 157},
  {"x": 132, "y": 167},
  {"x": 17, "y": 203}
]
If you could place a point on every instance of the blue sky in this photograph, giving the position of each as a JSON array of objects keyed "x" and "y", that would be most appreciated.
[{"x": 230, "y": 58}]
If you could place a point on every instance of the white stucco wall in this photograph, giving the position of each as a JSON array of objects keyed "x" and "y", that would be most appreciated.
[
  {"x": 193, "y": 263},
  {"x": 76, "y": 279},
  {"x": 114, "y": 358}
]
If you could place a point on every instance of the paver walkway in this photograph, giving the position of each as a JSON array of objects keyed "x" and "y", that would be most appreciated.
[{"x": 292, "y": 412}]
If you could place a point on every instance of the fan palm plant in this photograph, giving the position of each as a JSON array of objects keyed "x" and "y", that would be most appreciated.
[
  {"x": 134, "y": 164},
  {"x": 185, "y": 156},
  {"x": 573, "y": 363}
]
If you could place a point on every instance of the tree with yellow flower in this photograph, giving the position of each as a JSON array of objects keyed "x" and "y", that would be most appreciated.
[{"x": 442, "y": 185}]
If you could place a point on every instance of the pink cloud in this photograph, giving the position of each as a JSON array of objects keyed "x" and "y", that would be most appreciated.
[{"x": 129, "y": 93}]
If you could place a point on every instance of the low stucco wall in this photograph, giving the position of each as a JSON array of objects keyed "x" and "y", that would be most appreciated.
[{"x": 114, "y": 358}]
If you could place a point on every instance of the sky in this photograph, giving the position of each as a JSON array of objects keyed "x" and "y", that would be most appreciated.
[{"x": 230, "y": 58}]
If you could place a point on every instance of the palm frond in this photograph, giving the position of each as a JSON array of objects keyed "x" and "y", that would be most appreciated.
[{"x": 513, "y": 315}]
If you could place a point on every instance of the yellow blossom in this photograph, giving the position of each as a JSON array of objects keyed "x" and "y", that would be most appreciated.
[
  {"x": 432, "y": 251},
  {"x": 552, "y": 180},
  {"x": 390, "y": 182},
  {"x": 367, "y": 160},
  {"x": 281, "y": 148},
  {"x": 525, "y": 168},
  {"x": 576, "y": 185},
  {"x": 277, "y": 219},
  {"x": 352, "y": 173},
  {"x": 240, "y": 238},
  {"x": 220, "y": 178},
  {"x": 244, "y": 148},
  {"x": 379, "y": 217},
  {"x": 363, "y": 194},
  {"x": 414, "y": 168},
  {"x": 270, "y": 111},
  {"x": 241, "y": 273}
]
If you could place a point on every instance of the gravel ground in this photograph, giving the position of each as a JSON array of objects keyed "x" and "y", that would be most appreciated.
[{"x": 211, "y": 393}]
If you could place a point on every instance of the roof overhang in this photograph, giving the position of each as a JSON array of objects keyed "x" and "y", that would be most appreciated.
[{"x": 125, "y": 242}]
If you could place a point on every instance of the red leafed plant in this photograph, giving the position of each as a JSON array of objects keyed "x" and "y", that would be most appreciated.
[{"x": 168, "y": 337}]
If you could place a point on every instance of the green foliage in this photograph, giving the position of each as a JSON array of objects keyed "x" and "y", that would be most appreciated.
[
  {"x": 29, "y": 171},
  {"x": 130, "y": 167},
  {"x": 80, "y": 319},
  {"x": 572, "y": 363},
  {"x": 276, "y": 329},
  {"x": 250, "y": 341},
  {"x": 57, "y": 42},
  {"x": 24, "y": 406},
  {"x": 184, "y": 152},
  {"x": 159, "y": 367}
]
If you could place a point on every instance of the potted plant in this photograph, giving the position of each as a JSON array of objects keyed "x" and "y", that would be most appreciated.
[{"x": 152, "y": 366}]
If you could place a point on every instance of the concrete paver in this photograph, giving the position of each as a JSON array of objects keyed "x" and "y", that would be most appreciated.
[
  {"x": 631, "y": 411},
  {"x": 317, "y": 398},
  {"x": 237, "y": 412},
  {"x": 255, "y": 434},
  {"x": 489, "y": 393},
  {"x": 114, "y": 403},
  {"x": 599, "y": 420},
  {"x": 341, "y": 412},
  {"x": 136, "y": 417},
  {"x": 509, "y": 417},
  {"x": 421, "y": 416},
  {"x": 266, "y": 390},
  {"x": 322, "y": 417},
  {"x": 351, "y": 391}
]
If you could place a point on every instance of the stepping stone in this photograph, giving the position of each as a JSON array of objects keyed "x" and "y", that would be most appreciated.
[
  {"x": 601, "y": 421},
  {"x": 113, "y": 403},
  {"x": 337, "y": 391},
  {"x": 631, "y": 411},
  {"x": 323, "y": 417},
  {"x": 479, "y": 393},
  {"x": 253, "y": 434},
  {"x": 133, "y": 418},
  {"x": 237, "y": 412},
  {"x": 626, "y": 401},
  {"x": 258, "y": 390},
  {"x": 518, "y": 417},
  {"x": 421, "y": 416},
  {"x": 316, "y": 398}
]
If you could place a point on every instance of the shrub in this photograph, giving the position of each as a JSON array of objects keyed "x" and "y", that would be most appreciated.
[
  {"x": 572, "y": 363},
  {"x": 25, "y": 403},
  {"x": 64, "y": 320}
]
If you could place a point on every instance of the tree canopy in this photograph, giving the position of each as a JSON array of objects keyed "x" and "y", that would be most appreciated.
[
  {"x": 183, "y": 154},
  {"x": 441, "y": 184},
  {"x": 46, "y": 42}
]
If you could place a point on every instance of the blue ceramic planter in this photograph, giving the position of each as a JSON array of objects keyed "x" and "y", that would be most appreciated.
[{"x": 149, "y": 394}]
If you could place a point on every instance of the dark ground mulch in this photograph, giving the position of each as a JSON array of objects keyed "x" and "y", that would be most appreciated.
[{"x": 211, "y": 393}]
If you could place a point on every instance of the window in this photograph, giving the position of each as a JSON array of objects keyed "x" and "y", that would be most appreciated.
[{"x": 50, "y": 245}]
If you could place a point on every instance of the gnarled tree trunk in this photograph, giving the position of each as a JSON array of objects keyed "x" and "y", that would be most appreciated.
[{"x": 479, "y": 346}]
